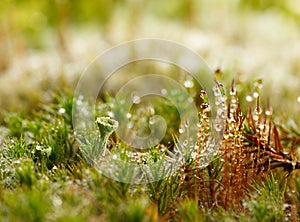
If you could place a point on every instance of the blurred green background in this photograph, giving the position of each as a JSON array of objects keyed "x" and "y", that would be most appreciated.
[{"x": 45, "y": 45}]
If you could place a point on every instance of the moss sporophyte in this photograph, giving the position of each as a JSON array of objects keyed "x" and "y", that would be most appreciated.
[{"x": 106, "y": 127}]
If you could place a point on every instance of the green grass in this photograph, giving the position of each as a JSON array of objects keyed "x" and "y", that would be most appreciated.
[{"x": 46, "y": 177}]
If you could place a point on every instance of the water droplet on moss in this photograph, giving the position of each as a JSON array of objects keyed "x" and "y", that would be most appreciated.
[
  {"x": 216, "y": 91},
  {"x": 151, "y": 110},
  {"x": 187, "y": 123},
  {"x": 255, "y": 94},
  {"x": 269, "y": 112},
  {"x": 136, "y": 99},
  {"x": 203, "y": 95},
  {"x": 188, "y": 84},
  {"x": 258, "y": 83},
  {"x": 249, "y": 98},
  {"x": 181, "y": 130},
  {"x": 130, "y": 125},
  {"x": 110, "y": 114},
  {"x": 218, "y": 127},
  {"x": 78, "y": 102},
  {"x": 114, "y": 157},
  {"x": 255, "y": 117},
  {"x": 221, "y": 113},
  {"x": 128, "y": 115},
  {"x": 151, "y": 120},
  {"x": 61, "y": 110},
  {"x": 163, "y": 91},
  {"x": 185, "y": 142},
  {"x": 258, "y": 110},
  {"x": 233, "y": 91}
]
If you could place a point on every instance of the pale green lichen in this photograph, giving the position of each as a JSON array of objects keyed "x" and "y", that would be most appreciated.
[{"x": 106, "y": 126}]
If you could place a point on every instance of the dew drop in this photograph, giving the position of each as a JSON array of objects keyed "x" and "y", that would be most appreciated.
[
  {"x": 207, "y": 108},
  {"x": 136, "y": 99},
  {"x": 219, "y": 101},
  {"x": 216, "y": 91},
  {"x": 255, "y": 94},
  {"x": 151, "y": 110},
  {"x": 259, "y": 83},
  {"x": 258, "y": 110},
  {"x": 163, "y": 91},
  {"x": 110, "y": 114},
  {"x": 298, "y": 99},
  {"x": 188, "y": 84},
  {"x": 233, "y": 91},
  {"x": 187, "y": 123},
  {"x": 151, "y": 120},
  {"x": 185, "y": 142},
  {"x": 261, "y": 126},
  {"x": 203, "y": 94},
  {"x": 181, "y": 130},
  {"x": 56, "y": 201},
  {"x": 255, "y": 117},
  {"x": 130, "y": 125},
  {"x": 61, "y": 110},
  {"x": 114, "y": 157},
  {"x": 79, "y": 102},
  {"x": 269, "y": 112},
  {"x": 128, "y": 115},
  {"x": 80, "y": 97},
  {"x": 218, "y": 127},
  {"x": 221, "y": 113},
  {"x": 202, "y": 137},
  {"x": 226, "y": 136},
  {"x": 249, "y": 98}
]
